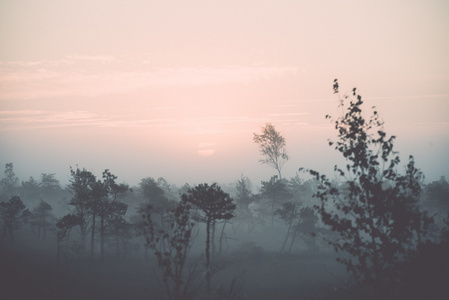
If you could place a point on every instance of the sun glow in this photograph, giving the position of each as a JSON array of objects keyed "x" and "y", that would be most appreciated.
[{"x": 206, "y": 149}]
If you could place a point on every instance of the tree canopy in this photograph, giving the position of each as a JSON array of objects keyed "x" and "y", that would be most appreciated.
[
  {"x": 377, "y": 217},
  {"x": 272, "y": 147}
]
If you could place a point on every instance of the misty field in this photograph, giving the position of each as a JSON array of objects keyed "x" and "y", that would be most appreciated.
[{"x": 29, "y": 271}]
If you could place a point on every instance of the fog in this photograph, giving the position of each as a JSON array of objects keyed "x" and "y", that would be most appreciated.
[
  {"x": 118, "y": 120},
  {"x": 256, "y": 253}
]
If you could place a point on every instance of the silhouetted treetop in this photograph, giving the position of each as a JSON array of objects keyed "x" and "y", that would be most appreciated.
[
  {"x": 272, "y": 147},
  {"x": 375, "y": 212}
]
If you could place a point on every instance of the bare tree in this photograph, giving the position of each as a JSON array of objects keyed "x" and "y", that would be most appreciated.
[
  {"x": 272, "y": 147},
  {"x": 171, "y": 246}
]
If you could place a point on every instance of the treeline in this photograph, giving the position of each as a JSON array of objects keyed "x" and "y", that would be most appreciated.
[
  {"x": 99, "y": 218},
  {"x": 108, "y": 211}
]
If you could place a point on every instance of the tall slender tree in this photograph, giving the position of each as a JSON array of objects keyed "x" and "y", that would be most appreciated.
[
  {"x": 272, "y": 147},
  {"x": 110, "y": 209},
  {"x": 9, "y": 183},
  {"x": 82, "y": 184},
  {"x": 13, "y": 214},
  {"x": 243, "y": 198},
  {"x": 213, "y": 204}
]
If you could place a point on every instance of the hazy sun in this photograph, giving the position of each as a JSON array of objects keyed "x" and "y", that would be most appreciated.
[{"x": 206, "y": 149}]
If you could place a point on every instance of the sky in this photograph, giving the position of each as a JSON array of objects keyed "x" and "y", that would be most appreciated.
[{"x": 176, "y": 89}]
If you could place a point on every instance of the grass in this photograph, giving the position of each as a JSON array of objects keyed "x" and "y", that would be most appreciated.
[{"x": 31, "y": 272}]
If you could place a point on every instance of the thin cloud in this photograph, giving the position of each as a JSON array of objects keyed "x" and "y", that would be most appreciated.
[
  {"x": 430, "y": 124},
  {"x": 437, "y": 96},
  {"x": 89, "y": 76},
  {"x": 288, "y": 114},
  {"x": 20, "y": 112},
  {"x": 48, "y": 119},
  {"x": 52, "y": 119},
  {"x": 95, "y": 58}
]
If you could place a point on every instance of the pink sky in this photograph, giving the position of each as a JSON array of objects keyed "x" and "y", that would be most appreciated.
[{"x": 177, "y": 88}]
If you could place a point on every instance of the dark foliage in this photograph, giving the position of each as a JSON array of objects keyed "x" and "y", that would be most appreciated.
[
  {"x": 171, "y": 246},
  {"x": 275, "y": 192},
  {"x": 42, "y": 219},
  {"x": 9, "y": 183},
  {"x": 377, "y": 217},
  {"x": 13, "y": 215},
  {"x": 213, "y": 204}
]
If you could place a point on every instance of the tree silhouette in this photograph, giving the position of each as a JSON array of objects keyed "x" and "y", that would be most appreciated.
[
  {"x": 289, "y": 213},
  {"x": 9, "y": 182},
  {"x": 42, "y": 219},
  {"x": 94, "y": 198},
  {"x": 275, "y": 192},
  {"x": 119, "y": 229},
  {"x": 31, "y": 190},
  {"x": 272, "y": 147},
  {"x": 213, "y": 204},
  {"x": 156, "y": 198},
  {"x": 171, "y": 246},
  {"x": 110, "y": 210},
  {"x": 49, "y": 184},
  {"x": 83, "y": 186},
  {"x": 13, "y": 215},
  {"x": 438, "y": 196},
  {"x": 306, "y": 227},
  {"x": 243, "y": 198},
  {"x": 377, "y": 218},
  {"x": 65, "y": 225}
]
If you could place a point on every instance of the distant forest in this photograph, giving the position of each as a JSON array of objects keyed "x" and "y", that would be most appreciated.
[{"x": 375, "y": 230}]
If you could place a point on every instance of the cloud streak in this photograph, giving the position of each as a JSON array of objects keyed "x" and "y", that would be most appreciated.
[
  {"x": 30, "y": 119},
  {"x": 47, "y": 119},
  {"x": 98, "y": 75}
]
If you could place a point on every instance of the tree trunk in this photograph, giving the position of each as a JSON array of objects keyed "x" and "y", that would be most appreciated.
[
  {"x": 286, "y": 237},
  {"x": 293, "y": 240},
  {"x": 208, "y": 256},
  {"x": 84, "y": 232},
  {"x": 220, "y": 245},
  {"x": 102, "y": 236},
  {"x": 214, "y": 252},
  {"x": 272, "y": 208},
  {"x": 58, "y": 256},
  {"x": 117, "y": 244},
  {"x": 92, "y": 237}
]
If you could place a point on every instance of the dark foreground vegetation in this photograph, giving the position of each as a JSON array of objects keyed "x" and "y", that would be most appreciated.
[{"x": 376, "y": 232}]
